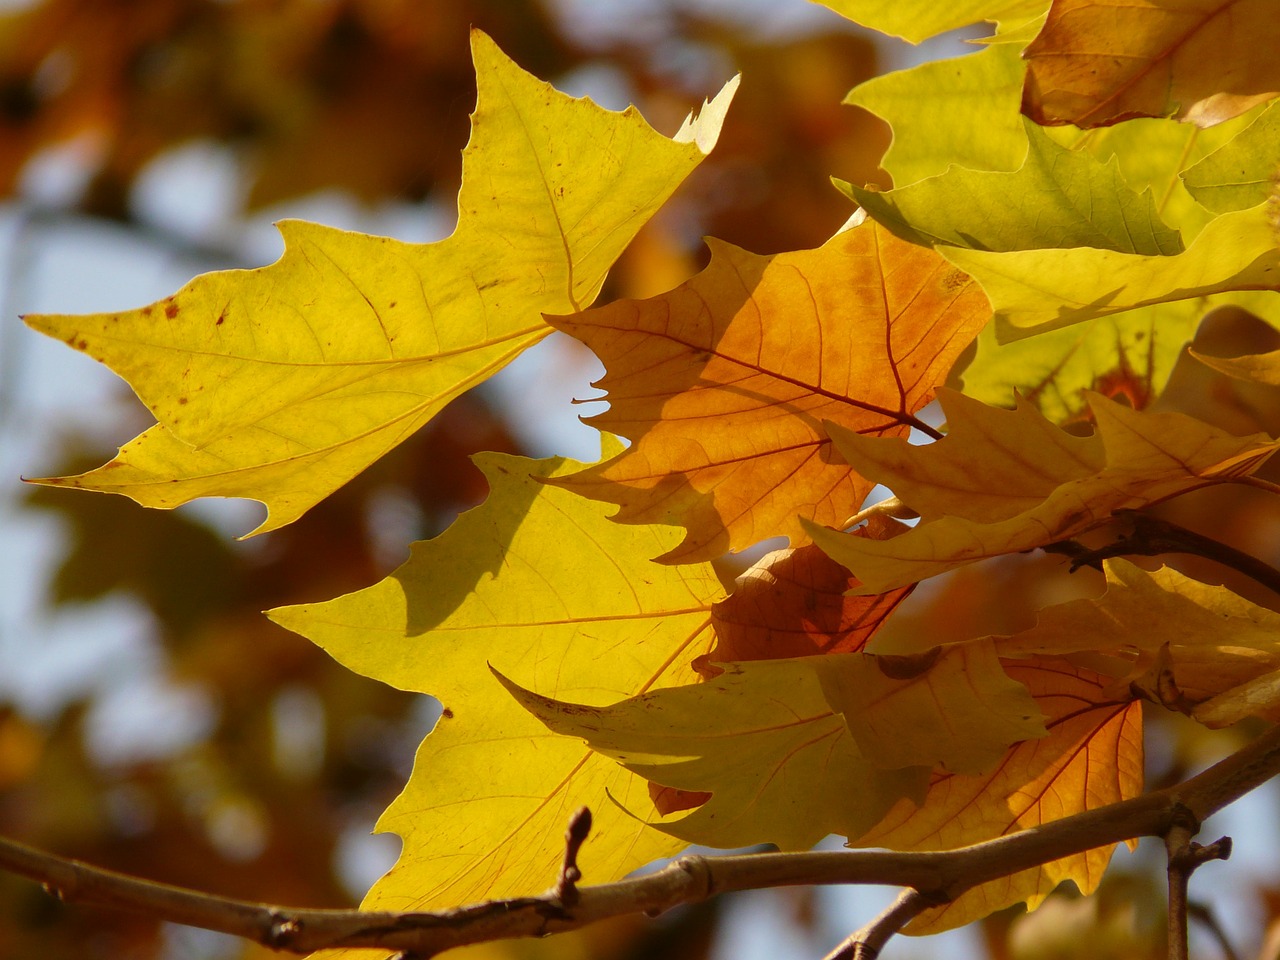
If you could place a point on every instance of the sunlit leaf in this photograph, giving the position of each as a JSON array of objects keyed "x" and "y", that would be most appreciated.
[
  {"x": 1091, "y": 757},
  {"x": 1097, "y": 62},
  {"x": 779, "y": 761},
  {"x": 1045, "y": 289},
  {"x": 1242, "y": 172},
  {"x": 1126, "y": 356},
  {"x": 1214, "y": 655},
  {"x": 792, "y": 750},
  {"x": 724, "y": 382},
  {"x": 1258, "y": 367},
  {"x": 916, "y": 20},
  {"x": 282, "y": 383},
  {"x": 1005, "y": 481},
  {"x": 795, "y": 603},
  {"x": 937, "y": 108},
  {"x": 952, "y": 708},
  {"x": 1057, "y": 198},
  {"x": 539, "y": 583}
]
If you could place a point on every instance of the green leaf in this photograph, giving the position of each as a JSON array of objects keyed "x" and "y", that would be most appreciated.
[
  {"x": 281, "y": 384},
  {"x": 961, "y": 112},
  {"x": 1242, "y": 172},
  {"x": 1130, "y": 354},
  {"x": 1046, "y": 289},
  {"x": 541, "y": 584},
  {"x": 1152, "y": 153},
  {"x": 1057, "y": 198}
]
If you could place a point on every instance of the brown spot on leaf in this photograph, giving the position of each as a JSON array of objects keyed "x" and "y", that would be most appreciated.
[
  {"x": 446, "y": 714},
  {"x": 82, "y": 345},
  {"x": 182, "y": 401},
  {"x": 171, "y": 310},
  {"x": 954, "y": 279},
  {"x": 907, "y": 666}
]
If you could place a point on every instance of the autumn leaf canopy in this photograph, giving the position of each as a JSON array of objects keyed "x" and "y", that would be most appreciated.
[{"x": 988, "y": 339}]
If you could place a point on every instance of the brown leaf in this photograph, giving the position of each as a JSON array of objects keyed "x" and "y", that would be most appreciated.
[
  {"x": 723, "y": 384},
  {"x": 1097, "y": 62},
  {"x": 793, "y": 603},
  {"x": 1091, "y": 757}
]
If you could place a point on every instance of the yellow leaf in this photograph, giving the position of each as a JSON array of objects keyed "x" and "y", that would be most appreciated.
[
  {"x": 1091, "y": 757},
  {"x": 792, "y": 750},
  {"x": 1258, "y": 367},
  {"x": 1046, "y": 289},
  {"x": 723, "y": 383},
  {"x": 1008, "y": 481},
  {"x": 539, "y": 583},
  {"x": 953, "y": 707},
  {"x": 779, "y": 761},
  {"x": 1194, "y": 647},
  {"x": 916, "y": 20},
  {"x": 1097, "y": 62},
  {"x": 282, "y": 383}
]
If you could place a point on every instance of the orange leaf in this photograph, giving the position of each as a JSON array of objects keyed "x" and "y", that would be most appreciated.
[
  {"x": 723, "y": 383},
  {"x": 1092, "y": 757},
  {"x": 1097, "y": 62},
  {"x": 794, "y": 603},
  {"x": 1051, "y": 485}
]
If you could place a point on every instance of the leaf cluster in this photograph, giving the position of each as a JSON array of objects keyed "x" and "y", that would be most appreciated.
[{"x": 1055, "y": 233}]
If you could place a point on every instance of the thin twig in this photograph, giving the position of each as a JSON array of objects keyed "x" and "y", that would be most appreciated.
[
  {"x": 566, "y": 888},
  {"x": 1152, "y": 536},
  {"x": 940, "y": 876},
  {"x": 866, "y": 943},
  {"x": 1185, "y": 857}
]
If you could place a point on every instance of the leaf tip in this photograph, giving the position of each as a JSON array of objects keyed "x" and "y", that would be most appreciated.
[{"x": 703, "y": 126}]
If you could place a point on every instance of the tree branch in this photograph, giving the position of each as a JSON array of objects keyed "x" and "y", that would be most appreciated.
[
  {"x": 937, "y": 876},
  {"x": 866, "y": 944},
  {"x": 1152, "y": 536}
]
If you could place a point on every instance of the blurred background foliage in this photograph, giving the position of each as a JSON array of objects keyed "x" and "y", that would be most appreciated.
[{"x": 367, "y": 100}]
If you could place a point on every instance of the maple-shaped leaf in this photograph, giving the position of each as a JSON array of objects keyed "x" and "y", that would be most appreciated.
[
  {"x": 793, "y": 750},
  {"x": 1057, "y": 198},
  {"x": 1127, "y": 356},
  {"x": 1197, "y": 648},
  {"x": 916, "y": 20},
  {"x": 935, "y": 108},
  {"x": 1091, "y": 757},
  {"x": 1044, "y": 289},
  {"x": 282, "y": 383},
  {"x": 541, "y": 584},
  {"x": 1242, "y": 172},
  {"x": 1097, "y": 62},
  {"x": 1006, "y": 481},
  {"x": 724, "y": 382},
  {"x": 796, "y": 603}
]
